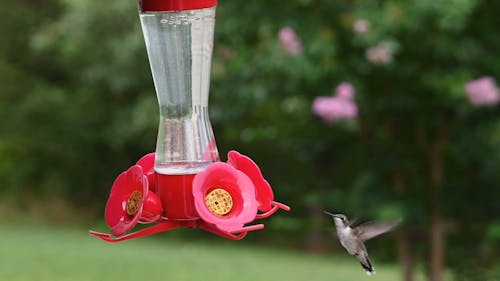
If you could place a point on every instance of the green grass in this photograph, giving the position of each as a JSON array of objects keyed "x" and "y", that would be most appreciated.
[{"x": 44, "y": 253}]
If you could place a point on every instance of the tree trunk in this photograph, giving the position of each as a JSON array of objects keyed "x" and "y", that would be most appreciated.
[
  {"x": 436, "y": 230},
  {"x": 405, "y": 251},
  {"x": 405, "y": 254},
  {"x": 436, "y": 238},
  {"x": 398, "y": 178},
  {"x": 315, "y": 241}
]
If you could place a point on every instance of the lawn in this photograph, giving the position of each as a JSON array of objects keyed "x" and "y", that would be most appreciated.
[{"x": 61, "y": 253}]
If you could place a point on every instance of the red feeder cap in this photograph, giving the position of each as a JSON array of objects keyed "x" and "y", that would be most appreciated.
[{"x": 174, "y": 5}]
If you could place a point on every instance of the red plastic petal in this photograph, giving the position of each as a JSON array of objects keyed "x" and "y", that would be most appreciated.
[
  {"x": 264, "y": 193},
  {"x": 125, "y": 184},
  {"x": 237, "y": 184},
  {"x": 147, "y": 162}
]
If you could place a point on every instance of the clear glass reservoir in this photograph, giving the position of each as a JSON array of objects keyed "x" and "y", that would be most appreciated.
[{"x": 179, "y": 46}]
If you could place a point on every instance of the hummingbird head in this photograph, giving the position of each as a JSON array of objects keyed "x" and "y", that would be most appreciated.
[{"x": 339, "y": 219}]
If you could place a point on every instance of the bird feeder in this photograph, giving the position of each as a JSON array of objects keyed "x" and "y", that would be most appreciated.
[{"x": 184, "y": 184}]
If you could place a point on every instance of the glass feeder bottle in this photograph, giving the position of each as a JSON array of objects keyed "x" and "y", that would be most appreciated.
[{"x": 179, "y": 41}]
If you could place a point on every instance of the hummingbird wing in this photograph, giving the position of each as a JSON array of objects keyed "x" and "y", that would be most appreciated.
[{"x": 369, "y": 230}]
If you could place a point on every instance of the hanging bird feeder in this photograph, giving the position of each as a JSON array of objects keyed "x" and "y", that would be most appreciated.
[{"x": 184, "y": 184}]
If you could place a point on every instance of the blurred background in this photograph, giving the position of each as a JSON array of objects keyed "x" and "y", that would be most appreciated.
[{"x": 377, "y": 109}]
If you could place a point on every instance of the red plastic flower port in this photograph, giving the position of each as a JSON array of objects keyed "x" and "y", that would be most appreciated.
[
  {"x": 263, "y": 192},
  {"x": 131, "y": 202},
  {"x": 147, "y": 163},
  {"x": 225, "y": 197}
]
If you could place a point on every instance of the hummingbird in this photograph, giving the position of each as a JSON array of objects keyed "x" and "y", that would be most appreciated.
[{"x": 353, "y": 238}]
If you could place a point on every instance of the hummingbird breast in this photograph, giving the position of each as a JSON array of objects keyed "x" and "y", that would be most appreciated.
[{"x": 348, "y": 240}]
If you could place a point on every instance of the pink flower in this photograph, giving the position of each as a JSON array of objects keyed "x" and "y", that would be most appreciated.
[
  {"x": 225, "y": 197},
  {"x": 345, "y": 90},
  {"x": 332, "y": 109},
  {"x": 130, "y": 202},
  {"x": 380, "y": 54},
  {"x": 361, "y": 26},
  {"x": 341, "y": 106},
  {"x": 289, "y": 40},
  {"x": 483, "y": 91}
]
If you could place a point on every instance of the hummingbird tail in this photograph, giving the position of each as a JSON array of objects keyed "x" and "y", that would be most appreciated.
[{"x": 366, "y": 264}]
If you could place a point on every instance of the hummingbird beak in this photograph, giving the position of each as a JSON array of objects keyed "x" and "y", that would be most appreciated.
[{"x": 333, "y": 215}]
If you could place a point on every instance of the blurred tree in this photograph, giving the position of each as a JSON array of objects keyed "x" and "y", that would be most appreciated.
[
  {"x": 423, "y": 110},
  {"x": 77, "y": 92},
  {"x": 409, "y": 153}
]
